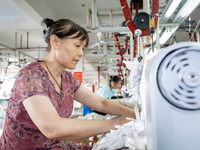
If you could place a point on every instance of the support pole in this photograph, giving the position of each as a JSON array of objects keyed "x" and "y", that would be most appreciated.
[
  {"x": 111, "y": 17},
  {"x": 197, "y": 32},
  {"x": 98, "y": 77},
  {"x": 131, "y": 46},
  {"x": 94, "y": 14},
  {"x": 27, "y": 39}
]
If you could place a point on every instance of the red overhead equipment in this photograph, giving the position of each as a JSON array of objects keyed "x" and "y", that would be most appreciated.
[{"x": 129, "y": 20}]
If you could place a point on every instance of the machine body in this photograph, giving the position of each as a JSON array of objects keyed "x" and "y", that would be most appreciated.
[{"x": 170, "y": 93}]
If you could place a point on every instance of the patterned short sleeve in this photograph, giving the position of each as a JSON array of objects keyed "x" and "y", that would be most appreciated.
[
  {"x": 28, "y": 83},
  {"x": 76, "y": 83}
]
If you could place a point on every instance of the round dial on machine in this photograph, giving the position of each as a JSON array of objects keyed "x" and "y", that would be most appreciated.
[{"x": 178, "y": 78}]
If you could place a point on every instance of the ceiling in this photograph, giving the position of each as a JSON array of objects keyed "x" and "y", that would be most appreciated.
[{"x": 21, "y": 30}]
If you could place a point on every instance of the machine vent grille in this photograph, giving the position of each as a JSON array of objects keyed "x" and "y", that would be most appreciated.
[{"x": 178, "y": 78}]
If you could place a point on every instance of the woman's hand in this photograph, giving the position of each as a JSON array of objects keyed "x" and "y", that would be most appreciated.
[
  {"x": 120, "y": 121},
  {"x": 130, "y": 113}
]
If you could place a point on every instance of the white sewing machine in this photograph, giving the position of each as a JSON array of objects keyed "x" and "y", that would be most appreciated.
[{"x": 171, "y": 99}]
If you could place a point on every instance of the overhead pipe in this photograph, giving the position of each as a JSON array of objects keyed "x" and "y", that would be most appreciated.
[
  {"x": 30, "y": 48},
  {"x": 104, "y": 45},
  {"x": 197, "y": 32},
  {"x": 15, "y": 49},
  {"x": 88, "y": 18},
  {"x": 98, "y": 77},
  {"x": 98, "y": 17},
  {"x": 6, "y": 47},
  {"x": 111, "y": 17},
  {"x": 27, "y": 39},
  {"x": 118, "y": 56},
  {"x": 38, "y": 52},
  {"x": 131, "y": 46},
  {"x": 16, "y": 46},
  {"x": 27, "y": 55},
  {"x": 94, "y": 14},
  {"x": 21, "y": 41},
  {"x": 15, "y": 40}
]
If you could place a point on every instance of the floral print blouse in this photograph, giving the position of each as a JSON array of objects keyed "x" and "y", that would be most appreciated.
[{"x": 20, "y": 133}]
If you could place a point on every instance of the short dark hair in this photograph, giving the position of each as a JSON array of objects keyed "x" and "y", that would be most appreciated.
[
  {"x": 63, "y": 28},
  {"x": 115, "y": 79}
]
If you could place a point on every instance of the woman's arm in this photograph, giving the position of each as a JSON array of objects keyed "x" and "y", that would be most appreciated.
[
  {"x": 46, "y": 118},
  {"x": 91, "y": 100}
]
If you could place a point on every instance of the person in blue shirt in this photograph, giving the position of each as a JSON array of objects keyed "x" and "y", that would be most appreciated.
[{"x": 111, "y": 88}]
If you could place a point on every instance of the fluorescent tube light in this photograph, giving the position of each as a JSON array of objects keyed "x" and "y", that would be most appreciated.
[
  {"x": 186, "y": 9},
  {"x": 190, "y": 7},
  {"x": 174, "y": 4}
]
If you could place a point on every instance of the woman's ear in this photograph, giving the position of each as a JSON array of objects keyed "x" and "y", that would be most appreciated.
[
  {"x": 54, "y": 41},
  {"x": 112, "y": 83}
]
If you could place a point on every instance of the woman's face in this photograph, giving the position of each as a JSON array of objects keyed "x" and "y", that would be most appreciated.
[
  {"x": 117, "y": 85},
  {"x": 70, "y": 52}
]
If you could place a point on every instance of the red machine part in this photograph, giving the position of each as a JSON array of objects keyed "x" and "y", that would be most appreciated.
[
  {"x": 120, "y": 69},
  {"x": 192, "y": 35},
  {"x": 131, "y": 7},
  {"x": 119, "y": 47},
  {"x": 121, "y": 54},
  {"x": 129, "y": 22},
  {"x": 138, "y": 5},
  {"x": 128, "y": 15}
]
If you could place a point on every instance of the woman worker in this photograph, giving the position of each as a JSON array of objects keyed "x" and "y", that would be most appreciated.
[
  {"x": 110, "y": 89},
  {"x": 38, "y": 113}
]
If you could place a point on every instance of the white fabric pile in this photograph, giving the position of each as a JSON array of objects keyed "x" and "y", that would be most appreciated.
[
  {"x": 130, "y": 135},
  {"x": 133, "y": 85}
]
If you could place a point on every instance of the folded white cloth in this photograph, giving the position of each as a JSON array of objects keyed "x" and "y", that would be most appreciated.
[{"x": 130, "y": 135}]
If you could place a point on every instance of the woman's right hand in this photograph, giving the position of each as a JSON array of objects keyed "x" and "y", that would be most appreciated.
[{"x": 121, "y": 120}]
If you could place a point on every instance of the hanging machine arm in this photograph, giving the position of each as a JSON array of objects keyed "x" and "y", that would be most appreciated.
[{"x": 129, "y": 20}]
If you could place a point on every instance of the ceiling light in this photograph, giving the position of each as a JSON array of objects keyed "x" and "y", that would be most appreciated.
[
  {"x": 174, "y": 4},
  {"x": 190, "y": 7},
  {"x": 186, "y": 9}
]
